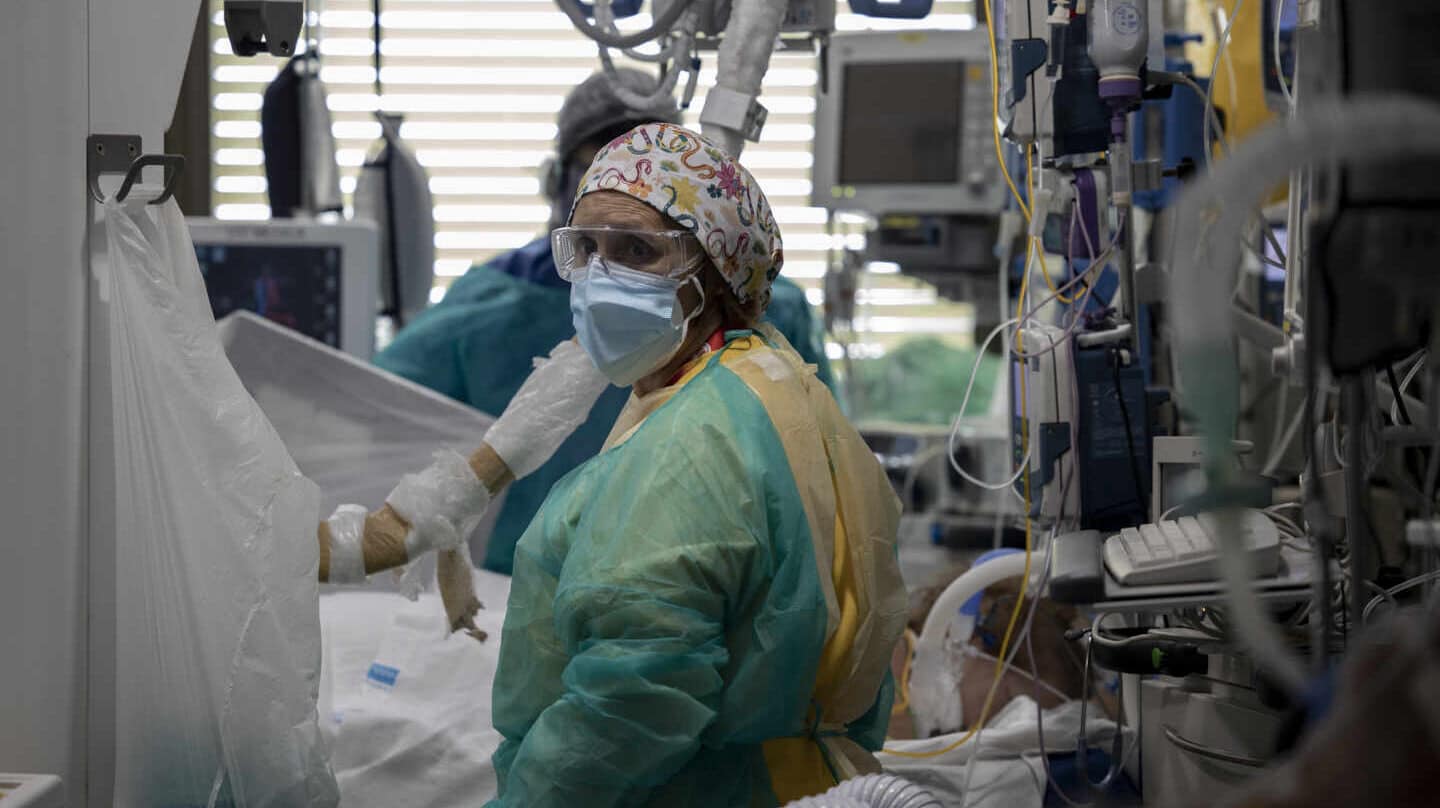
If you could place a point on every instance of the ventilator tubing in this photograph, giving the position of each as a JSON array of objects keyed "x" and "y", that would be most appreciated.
[
  {"x": 872, "y": 791},
  {"x": 1363, "y": 130},
  {"x": 553, "y": 402}
]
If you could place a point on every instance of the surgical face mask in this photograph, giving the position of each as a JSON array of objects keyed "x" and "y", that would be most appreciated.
[{"x": 629, "y": 322}]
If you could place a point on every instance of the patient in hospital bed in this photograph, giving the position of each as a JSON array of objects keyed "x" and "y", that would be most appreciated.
[
  {"x": 1007, "y": 770},
  {"x": 406, "y": 705}
]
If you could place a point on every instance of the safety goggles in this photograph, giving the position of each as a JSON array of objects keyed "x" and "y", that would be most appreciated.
[{"x": 663, "y": 253}]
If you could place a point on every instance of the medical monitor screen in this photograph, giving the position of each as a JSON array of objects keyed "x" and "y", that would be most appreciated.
[
  {"x": 900, "y": 123},
  {"x": 295, "y": 285}
]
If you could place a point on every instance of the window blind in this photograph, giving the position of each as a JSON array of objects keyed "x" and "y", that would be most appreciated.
[{"x": 480, "y": 82}]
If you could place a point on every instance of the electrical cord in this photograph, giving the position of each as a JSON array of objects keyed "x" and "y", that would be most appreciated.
[
  {"x": 1389, "y": 594},
  {"x": 1018, "y": 353},
  {"x": 1404, "y": 412},
  {"x": 1269, "y": 234},
  {"x": 1211, "y": 752},
  {"x": 1119, "y": 759},
  {"x": 1221, "y": 45},
  {"x": 1212, "y": 117},
  {"x": 1405, "y": 385},
  {"x": 1117, "y": 748},
  {"x": 1095, "y": 267},
  {"x": 678, "y": 45},
  {"x": 1427, "y": 511},
  {"x": 1286, "y": 523},
  {"x": 964, "y": 404},
  {"x": 1279, "y": 64}
]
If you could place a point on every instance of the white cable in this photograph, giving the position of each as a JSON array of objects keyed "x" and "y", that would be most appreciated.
[
  {"x": 1277, "y": 453},
  {"x": 1212, "y": 117},
  {"x": 1405, "y": 385},
  {"x": 1098, "y": 264},
  {"x": 1170, "y": 512},
  {"x": 1279, "y": 64},
  {"x": 1220, "y": 48},
  {"x": 1077, "y": 308},
  {"x": 964, "y": 404},
  {"x": 1286, "y": 523},
  {"x": 1293, "y": 235}
]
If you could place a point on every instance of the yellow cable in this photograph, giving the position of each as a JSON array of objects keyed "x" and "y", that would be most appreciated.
[
  {"x": 1024, "y": 435},
  {"x": 1035, "y": 243},
  {"x": 1025, "y": 575},
  {"x": 995, "y": 111},
  {"x": 904, "y": 703}
]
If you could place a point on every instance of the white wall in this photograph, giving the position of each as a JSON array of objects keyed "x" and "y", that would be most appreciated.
[
  {"x": 67, "y": 68},
  {"x": 44, "y": 118}
]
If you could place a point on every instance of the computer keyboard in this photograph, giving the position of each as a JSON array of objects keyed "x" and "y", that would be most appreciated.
[{"x": 1178, "y": 551}]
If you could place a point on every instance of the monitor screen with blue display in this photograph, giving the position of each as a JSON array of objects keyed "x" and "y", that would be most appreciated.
[
  {"x": 318, "y": 278},
  {"x": 295, "y": 285}
]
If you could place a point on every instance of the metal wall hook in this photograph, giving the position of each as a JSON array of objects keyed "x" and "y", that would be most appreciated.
[{"x": 114, "y": 154}]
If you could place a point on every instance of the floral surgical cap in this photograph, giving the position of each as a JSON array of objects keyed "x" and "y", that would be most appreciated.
[{"x": 688, "y": 178}]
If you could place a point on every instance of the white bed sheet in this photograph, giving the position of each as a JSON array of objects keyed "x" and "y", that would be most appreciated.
[
  {"x": 406, "y": 706},
  {"x": 1008, "y": 772},
  {"x": 406, "y": 709}
]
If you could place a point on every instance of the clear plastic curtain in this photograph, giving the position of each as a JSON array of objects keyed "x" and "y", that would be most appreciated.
[{"x": 218, "y": 634}]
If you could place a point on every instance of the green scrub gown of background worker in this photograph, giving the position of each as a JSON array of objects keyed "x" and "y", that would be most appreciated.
[{"x": 478, "y": 344}]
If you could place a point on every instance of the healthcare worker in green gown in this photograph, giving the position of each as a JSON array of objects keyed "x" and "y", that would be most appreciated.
[
  {"x": 477, "y": 345},
  {"x": 703, "y": 614}
]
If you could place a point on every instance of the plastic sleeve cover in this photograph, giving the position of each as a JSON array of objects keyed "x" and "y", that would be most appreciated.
[
  {"x": 550, "y": 405},
  {"x": 442, "y": 504},
  {"x": 347, "y": 555}
]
